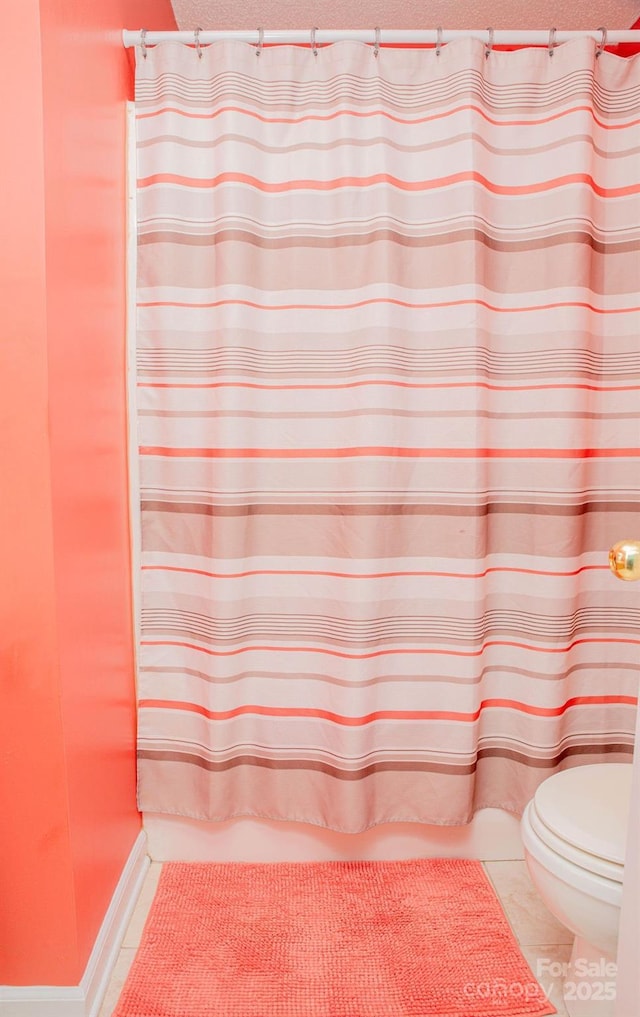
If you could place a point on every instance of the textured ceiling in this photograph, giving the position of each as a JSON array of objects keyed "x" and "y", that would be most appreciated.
[{"x": 567, "y": 14}]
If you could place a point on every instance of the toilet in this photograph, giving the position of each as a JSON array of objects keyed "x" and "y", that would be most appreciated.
[{"x": 574, "y": 833}]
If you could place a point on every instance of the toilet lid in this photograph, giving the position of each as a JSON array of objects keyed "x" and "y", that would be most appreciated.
[{"x": 588, "y": 808}]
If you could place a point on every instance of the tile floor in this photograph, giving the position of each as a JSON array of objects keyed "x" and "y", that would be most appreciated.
[{"x": 541, "y": 937}]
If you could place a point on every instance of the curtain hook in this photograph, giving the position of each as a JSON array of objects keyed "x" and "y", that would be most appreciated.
[
  {"x": 376, "y": 46},
  {"x": 314, "y": 47},
  {"x": 143, "y": 42},
  {"x": 603, "y": 41},
  {"x": 260, "y": 42},
  {"x": 196, "y": 36},
  {"x": 438, "y": 40},
  {"x": 489, "y": 46},
  {"x": 552, "y": 41}
]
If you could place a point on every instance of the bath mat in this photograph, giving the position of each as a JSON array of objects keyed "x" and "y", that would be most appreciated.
[{"x": 418, "y": 938}]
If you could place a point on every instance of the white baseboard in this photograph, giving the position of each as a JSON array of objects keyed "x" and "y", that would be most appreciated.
[
  {"x": 493, "y": 835},
  {"x": 85, "y": 1000}
]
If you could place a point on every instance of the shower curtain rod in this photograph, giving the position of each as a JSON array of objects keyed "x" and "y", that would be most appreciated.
[{"x": 433, "y": 36}]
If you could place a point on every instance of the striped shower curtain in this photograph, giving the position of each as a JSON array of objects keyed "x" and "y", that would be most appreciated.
[{"x": 388, "y": 394}]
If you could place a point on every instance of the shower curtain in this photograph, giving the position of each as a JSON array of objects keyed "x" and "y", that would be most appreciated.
[{"x": 388, "y": 389}]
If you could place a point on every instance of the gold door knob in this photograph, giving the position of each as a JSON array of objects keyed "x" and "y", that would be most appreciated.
[{"x": 624, "y": 559}]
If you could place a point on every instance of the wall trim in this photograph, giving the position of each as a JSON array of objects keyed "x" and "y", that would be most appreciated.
[{"x": 85, "y": 999}]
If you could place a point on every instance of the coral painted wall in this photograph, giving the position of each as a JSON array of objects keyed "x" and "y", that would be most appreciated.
[{"x": 67, "y": 744}]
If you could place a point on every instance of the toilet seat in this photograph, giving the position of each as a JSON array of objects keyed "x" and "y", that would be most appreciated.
[
  {"x": 586, "y": 808},
  {"x": 581, "y": 878},
  {"x": 585, "y": 859},
  {"x": 575, "y": 826}
]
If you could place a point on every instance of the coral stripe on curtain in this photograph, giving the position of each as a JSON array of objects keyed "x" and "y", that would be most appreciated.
[{"x": 389, "y": 377}]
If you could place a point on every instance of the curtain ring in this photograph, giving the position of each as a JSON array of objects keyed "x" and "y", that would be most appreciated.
[
  {"x": 603, "y": 41},
  {"x": 376, "y": 45},
  {"x": 489, "y": 46},
  {"x": 143, "y": 43},
  {"x": 438, "y": 40},
  {"x": 314, "y": 47},
  {"x": 196, "y": 36},
  {"x": 552, "y": 41},
  {"x": 260, "y": 42}
]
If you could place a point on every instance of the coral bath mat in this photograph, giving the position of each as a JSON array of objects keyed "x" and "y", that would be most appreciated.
[{"x": 420, "y": 938}]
